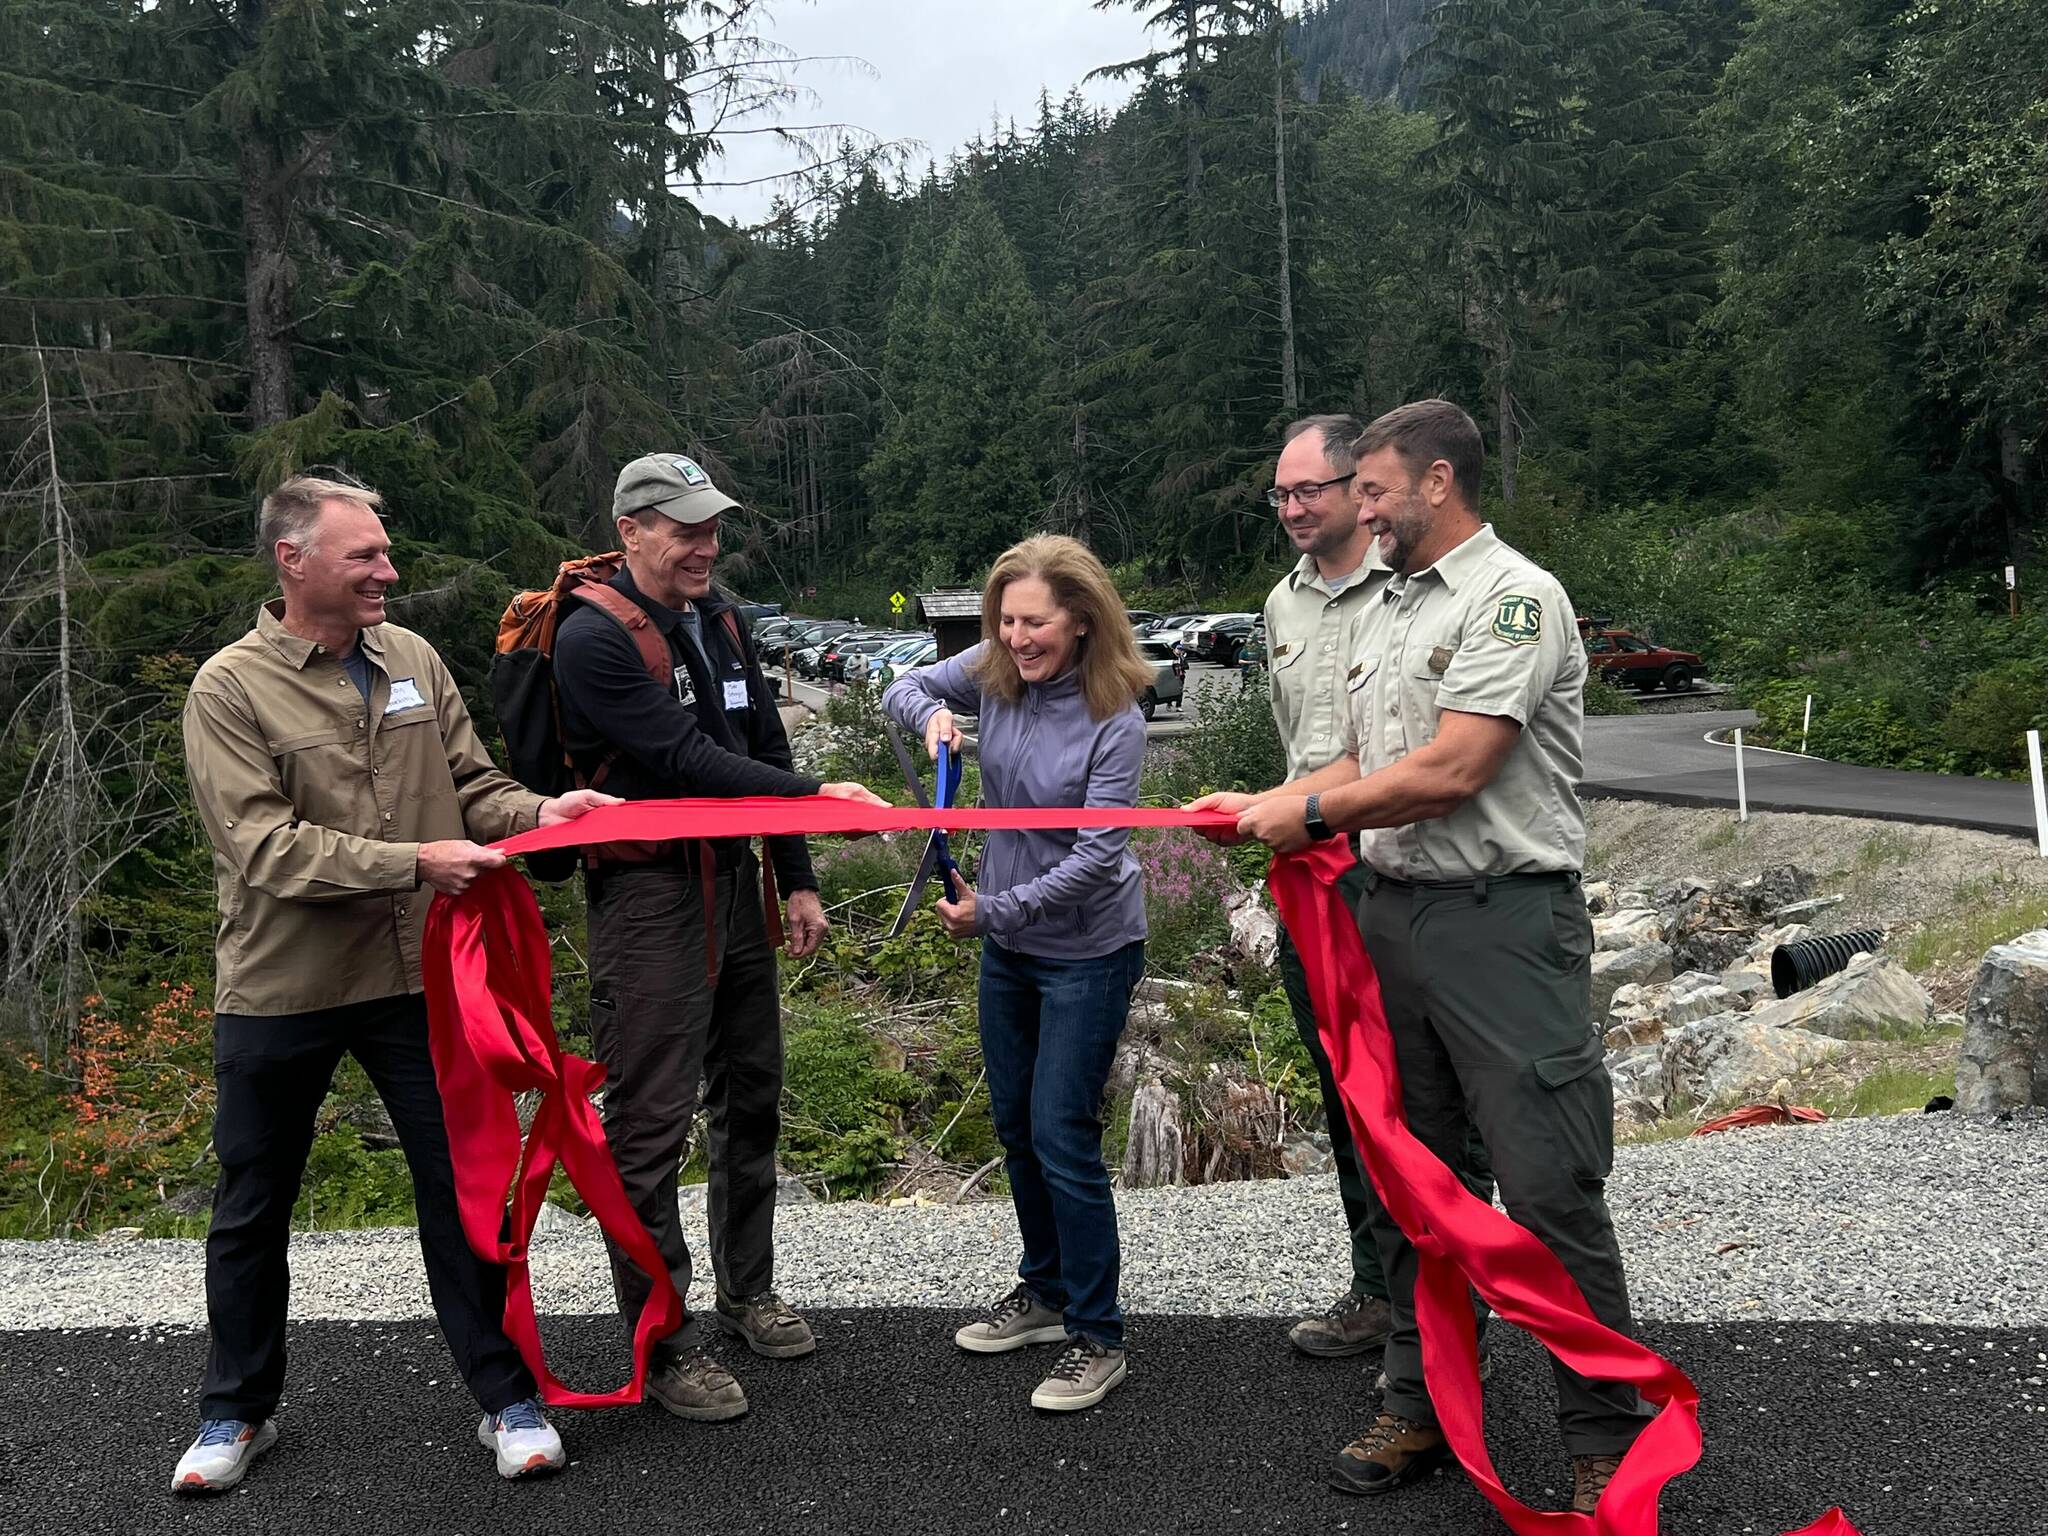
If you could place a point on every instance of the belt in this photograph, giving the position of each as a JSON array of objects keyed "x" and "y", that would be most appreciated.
[{"x": 1478, "y": 885}]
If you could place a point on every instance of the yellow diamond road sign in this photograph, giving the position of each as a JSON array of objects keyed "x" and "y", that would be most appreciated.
[{"x": 897, "y": 600}]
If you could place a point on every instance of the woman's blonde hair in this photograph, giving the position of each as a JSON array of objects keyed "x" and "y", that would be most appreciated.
[{"x": 1113, "y": 675}]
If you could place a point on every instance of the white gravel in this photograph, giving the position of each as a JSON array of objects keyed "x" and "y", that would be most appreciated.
[{"x": 1935, "y": 1219}]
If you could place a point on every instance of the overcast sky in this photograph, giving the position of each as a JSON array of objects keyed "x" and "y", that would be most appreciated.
[{"x": 934, "y": 70}]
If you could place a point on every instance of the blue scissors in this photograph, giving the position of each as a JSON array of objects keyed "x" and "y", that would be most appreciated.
[{"x": 938, "y": 857}]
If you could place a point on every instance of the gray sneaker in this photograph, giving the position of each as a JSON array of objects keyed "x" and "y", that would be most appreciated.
[
  {"x": 697, "y": 1387},
  {"x": 1020, "y": 1318},
  {"x": 1080, "y": 1378},
  {"x": 1350, "y": 1325},
  {"x": 769, "y": 1324}
]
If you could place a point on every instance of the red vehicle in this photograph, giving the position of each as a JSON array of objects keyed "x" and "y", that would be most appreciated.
[{"x": 1625, "y": 658}]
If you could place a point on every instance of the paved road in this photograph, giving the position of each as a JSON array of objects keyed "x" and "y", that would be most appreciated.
[
  {"x": 888, "y": 1430},
  {"x": 1668, "y": 758}
]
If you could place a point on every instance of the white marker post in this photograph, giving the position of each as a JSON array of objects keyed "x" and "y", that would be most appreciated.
[
  {"x": 1742, "y": 782},
  {"x": 2040, "y": 796},
  {"x": 1806, "y": 725}
]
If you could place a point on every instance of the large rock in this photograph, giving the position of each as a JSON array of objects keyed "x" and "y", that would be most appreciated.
[
  {"x": 1638, "y": 1074},
  {"x": 1254, "y": 930},
  {"x": 1697, "y": 995},
  {"x": 2003, "y": 1062},
  {"x": 1616, "y": 968},
  {"x": 1874, "y": 998},
  {"x": 1732, "y": 1059},
  {"x": 1628, "y": 929},
  {"x": 1599, "y": 896},
  {"x": 1779, "y": 886}
]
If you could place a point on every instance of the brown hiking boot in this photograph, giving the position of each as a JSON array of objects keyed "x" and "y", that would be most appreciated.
[
  {"x": 769, "y": 1324},
  {"x": 1350, "y": 1325},
  {"x": 1392, "y": 1452},
  {"x": 1590, "y": 1477},
  {"x": 695, "y": 1386}
]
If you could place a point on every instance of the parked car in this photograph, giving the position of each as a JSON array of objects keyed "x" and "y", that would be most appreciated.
[
  {"x": 1169, "y": 677},
  {"x": 1140, "y": 618},
  {"x": 862, "y": 662},
  {"x": 1626, "y": 658},
  {"x": 1251, "y": 656},
  {"x": 832, "y": 662},
  {"x": 768, "y": 632},
  {"x": 1171, "y": 629},
  {"x": 1196, "y": 635},
  {"x": 891, "y": 664},
  {"x": 1220, "y": 641},
  {"x": 812, "y": 635}
]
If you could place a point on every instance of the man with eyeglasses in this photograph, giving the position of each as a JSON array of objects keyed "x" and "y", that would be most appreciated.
[
  {"x": 1312, "y": 617},
  {"x": 1464, "y": 712},
  {"x": 682, "y": 944}
]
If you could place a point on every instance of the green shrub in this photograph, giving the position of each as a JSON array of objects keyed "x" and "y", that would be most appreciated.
[
  {"x": 842, "y": 1109},
  {"x": 1606, "y": 698},
  {"x": 1234, "y": 745}
]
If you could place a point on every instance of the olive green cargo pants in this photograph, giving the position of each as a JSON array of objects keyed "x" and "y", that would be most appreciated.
[{"x": 1487, "y": 987}]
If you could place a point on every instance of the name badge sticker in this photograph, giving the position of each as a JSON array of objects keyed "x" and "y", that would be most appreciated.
[
  {"x": 405, "y": 694},
  {"x": 735, "y": 693}
]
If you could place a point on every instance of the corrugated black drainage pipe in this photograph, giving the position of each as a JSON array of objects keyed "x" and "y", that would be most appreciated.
[{"x": 1795, "y": 967}]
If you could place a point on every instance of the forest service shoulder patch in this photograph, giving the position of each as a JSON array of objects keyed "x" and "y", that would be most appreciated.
[{"x": 1518, "y": 620}]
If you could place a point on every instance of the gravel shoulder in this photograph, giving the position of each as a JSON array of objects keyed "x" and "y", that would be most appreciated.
[{"x": 1932, "y": 1219}]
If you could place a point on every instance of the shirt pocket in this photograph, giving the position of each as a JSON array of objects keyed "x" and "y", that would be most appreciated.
[
  {"x": 1285, "y": 653},
  {"x": 320, "y": 772}
]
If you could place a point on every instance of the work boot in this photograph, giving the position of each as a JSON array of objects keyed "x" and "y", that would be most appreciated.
[
  {"x": 1392, "y": 1452},
  {"x": 1590, "y": 1477},
  {"x": 1350, "y": 1325},
  {"x": 769, "y": 1324},
  {"x": 1080, "y": 1378},
  {"x": 1020, "y": 1318},
  {"x": 695, "y": 1386}
]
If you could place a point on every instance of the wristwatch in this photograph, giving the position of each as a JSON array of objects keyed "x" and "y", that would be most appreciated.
[{"x": 1318, "y": 829}]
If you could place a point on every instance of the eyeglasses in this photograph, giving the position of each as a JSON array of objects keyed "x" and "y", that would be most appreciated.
[{"x": 1308, "y": 493}]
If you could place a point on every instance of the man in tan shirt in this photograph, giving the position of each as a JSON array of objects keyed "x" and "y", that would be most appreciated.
[
  {"x": 338, "y": 776},
  {"x": 1312, "y": 618},
  {"x": 1465, "y": 705}
]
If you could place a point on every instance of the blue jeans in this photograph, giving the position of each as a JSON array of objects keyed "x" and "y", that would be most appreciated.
[{"x": 1049, "y": 1030}]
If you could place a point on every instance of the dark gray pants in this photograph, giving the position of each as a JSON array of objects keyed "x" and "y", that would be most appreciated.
[
  {"x": 1488, "y": 997},
  {"x": 659, "y": 1027},
  {"x": 1368, "y": 1277}
]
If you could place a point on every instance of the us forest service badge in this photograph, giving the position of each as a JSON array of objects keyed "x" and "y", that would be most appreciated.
[{"x": 1518, "y": 620}]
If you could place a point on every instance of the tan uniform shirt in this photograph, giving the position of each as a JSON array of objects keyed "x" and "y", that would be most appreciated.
[
  {"x": 317, "y": 806},
  {"x": 1311, "y": 637},
  {"x": 1485, "y": 631}
]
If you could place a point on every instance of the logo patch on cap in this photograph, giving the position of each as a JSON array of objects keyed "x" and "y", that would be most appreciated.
[{"x": 692, "y": 475}]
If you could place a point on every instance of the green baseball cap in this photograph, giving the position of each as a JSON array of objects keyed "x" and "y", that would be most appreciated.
[{"x": 670, "y": 484}]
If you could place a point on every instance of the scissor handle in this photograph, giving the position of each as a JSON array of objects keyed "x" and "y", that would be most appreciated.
[{"x": 942, "y": 799}]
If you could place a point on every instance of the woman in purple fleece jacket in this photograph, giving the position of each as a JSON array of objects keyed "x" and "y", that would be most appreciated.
[{"x": 1055, "y": 680}]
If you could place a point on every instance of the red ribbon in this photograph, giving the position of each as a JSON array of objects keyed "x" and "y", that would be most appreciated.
[
  {"x": 493, "y": 1037},
  {"x": 488, "y": 999},
  {"x": 1463, "y": 1241}
]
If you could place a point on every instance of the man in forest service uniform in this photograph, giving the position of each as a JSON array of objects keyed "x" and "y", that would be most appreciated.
[
  {"x": 338, "y": 776},
  {"x": 1312, "y": 618},
  {"x": 1465, "y": 699}
]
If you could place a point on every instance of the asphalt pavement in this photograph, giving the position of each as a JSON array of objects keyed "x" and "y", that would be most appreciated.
[
  {"x": 1671, "y": 758},
  {"x": 890, "y": 1430}
]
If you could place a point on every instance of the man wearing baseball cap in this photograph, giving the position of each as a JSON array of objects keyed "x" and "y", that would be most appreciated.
[{"x": 682, "y": 956}]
